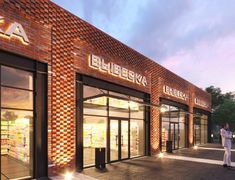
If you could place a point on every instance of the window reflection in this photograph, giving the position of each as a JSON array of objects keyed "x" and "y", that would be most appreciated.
[
  {"x": 200, "y": 129},
  {"x": 137, "y": 141},
  {"x": 16, "y": 98},
  {"x": 91, "y": 92},
  {"x": 137, "y": 110},
  {"x": 173, "y": 127},
  {"x": 16, "y": 78},
  {"x": 99, "y": 107},
  {"x": 118, "y": 108},
  {"x": 95, "y": 101},
  {"x": 17, "y": 124}
]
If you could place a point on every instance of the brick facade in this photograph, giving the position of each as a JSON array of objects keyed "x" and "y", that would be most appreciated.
[{"x": 64, "y": 41}]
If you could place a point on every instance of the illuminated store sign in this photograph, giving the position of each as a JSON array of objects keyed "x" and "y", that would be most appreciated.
[
  {"x": 175, "y": 93},
  {"x": 201, "y": 103},
  {"x": 98, "y": 63},
  {"x": 14, "y": 30}
]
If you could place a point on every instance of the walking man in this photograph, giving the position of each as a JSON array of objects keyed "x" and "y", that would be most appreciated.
[{"x": 226, "y": 136}]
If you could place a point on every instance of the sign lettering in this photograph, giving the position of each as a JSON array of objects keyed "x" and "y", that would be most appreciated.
[
  {"x": 15, "y": 29},
  {"x": 201, "y": 103},
  {"x": 175, "y": 93},
  {"x": 98, "y": 63}
]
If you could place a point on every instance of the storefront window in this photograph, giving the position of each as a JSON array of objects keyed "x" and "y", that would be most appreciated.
[
  {"x": 94, "y": 133},
  {"x": 165, "y": 134},
  {"x": 182, "y": 135},
  {"x": 95, "y": 101},
  {"x": 118, "y": 108},
  {"x": 200, "y": 129},
  {"x": 173, "y": 127},
  {"x": 16, "y": 123},
  {"x": 114, "y": 114},
  {"x": 137, "y": 137},
  {"x": 182, "y": 129},
  {"x": 137, "y": 110}
]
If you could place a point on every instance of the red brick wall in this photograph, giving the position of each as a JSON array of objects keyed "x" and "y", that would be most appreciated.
[
  {"x": 39, "y": 36},
  {"x": 71, "y": 40}
]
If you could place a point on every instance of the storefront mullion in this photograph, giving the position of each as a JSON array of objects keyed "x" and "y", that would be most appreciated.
[
  {"x": 173, "y": 124},
  {"x": 113, "y": 107},
  {"x": 201, "y": 127},
  {"x": 21, "y": 106}
]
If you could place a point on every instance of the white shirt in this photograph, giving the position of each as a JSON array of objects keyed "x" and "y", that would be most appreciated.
[{"x": 226, "y": 137}]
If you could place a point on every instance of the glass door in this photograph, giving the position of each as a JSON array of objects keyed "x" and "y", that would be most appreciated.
[
  {"x": 197, "y": 134},
  {"x": 124, "y": 139},
  {"x": 114, "y": 140},
  {"x": 174, "y": 134},
  {"x": 119, "y": 139}
]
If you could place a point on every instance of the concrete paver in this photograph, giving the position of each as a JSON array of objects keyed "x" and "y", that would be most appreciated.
[{"x": 155, "y": 168}]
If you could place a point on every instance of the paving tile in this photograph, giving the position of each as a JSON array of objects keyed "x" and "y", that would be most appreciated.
[{"x": 154, "y": 168}]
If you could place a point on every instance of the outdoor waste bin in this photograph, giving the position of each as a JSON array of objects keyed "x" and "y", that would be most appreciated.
[
  {"x": 169, "y": 146},
  {"x": 100, "y": 158}
]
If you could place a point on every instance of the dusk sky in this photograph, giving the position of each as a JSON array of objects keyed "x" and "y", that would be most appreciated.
[{"x": 193, "y": 38}]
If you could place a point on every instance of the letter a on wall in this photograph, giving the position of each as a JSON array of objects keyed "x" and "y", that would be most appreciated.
[{"x": 17, "y": 30}]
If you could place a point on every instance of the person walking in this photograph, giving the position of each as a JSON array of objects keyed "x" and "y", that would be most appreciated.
[{"x": 226, "y": 137}]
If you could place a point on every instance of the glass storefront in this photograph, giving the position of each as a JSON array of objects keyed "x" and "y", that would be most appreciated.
[
  {"x": 200, "y": 129},
  {"x": 16, "y": 123},
  {"x": 114, "y": 121},
  {"x": 174, "y": 127}
]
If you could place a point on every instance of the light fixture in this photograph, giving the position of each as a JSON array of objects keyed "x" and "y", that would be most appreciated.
[
  {"x": 212, "y": 135},
  {"x": 163, "y": 109},
  {"x": 68, "y": 176},
  {"x": 160, "y": 155},
  {"x": 233, "y": 135},
  {"x": 195, "y": 147}
]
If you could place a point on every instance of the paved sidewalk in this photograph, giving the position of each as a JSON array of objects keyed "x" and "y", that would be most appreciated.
[
  {"x": 75, "y": 176},
  {"x": 198, "y": 165}
]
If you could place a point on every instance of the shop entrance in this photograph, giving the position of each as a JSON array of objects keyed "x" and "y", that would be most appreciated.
[
  {"x": 109, "y": 117},
  {"x": 174, "y": 125},
  {"x": 197, "y": 134},
  {"x": 174, "y": 135},
  {"x": 119, "y": 139}
]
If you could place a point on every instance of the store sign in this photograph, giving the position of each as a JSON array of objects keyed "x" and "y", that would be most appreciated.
[
  {"x": 98, "y": 63},
  {"x": 201, "y": 103},
  {"x": 14, "y": 30},
  {"x": 175, "y": 93}
]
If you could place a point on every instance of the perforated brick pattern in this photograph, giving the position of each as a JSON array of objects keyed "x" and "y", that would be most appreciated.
[{"x": 69, "y": 35}]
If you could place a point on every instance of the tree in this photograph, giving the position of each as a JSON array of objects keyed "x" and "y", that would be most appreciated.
[
  {"x": 223, "y": 107},
  {"x": 225, "y": 113},
  {"x": 216, "y": 95}
]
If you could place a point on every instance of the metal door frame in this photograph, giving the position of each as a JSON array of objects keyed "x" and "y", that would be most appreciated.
[
  {"x": 174, "y": 130},
  {"x": 119, "y": 139}
]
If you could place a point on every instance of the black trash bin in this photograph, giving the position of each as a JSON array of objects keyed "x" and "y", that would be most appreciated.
[
  {"x": 100, "y": 158},
  {"x": 169, "y": 146}
]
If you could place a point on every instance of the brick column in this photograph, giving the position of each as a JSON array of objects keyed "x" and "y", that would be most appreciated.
[
  {"x": 155, "y": 118},
  {"x": 191, "y": 132}
]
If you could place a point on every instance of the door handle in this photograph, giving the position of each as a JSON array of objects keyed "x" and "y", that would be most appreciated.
[{"x": 116, "y": 140}]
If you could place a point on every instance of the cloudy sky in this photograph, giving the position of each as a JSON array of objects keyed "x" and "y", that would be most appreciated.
[{"x": 193, "y": 38}]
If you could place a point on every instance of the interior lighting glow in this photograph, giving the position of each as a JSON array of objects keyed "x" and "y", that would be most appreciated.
[
  {"x": 161, "y": 155},
  {"x": 68, "y": 176}
]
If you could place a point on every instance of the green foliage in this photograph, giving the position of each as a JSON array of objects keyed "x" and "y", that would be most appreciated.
[
  {"x": 225, "y": 113},
  {"x": 223, "y": 107},
  {"x": 217, "y": 96}
]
